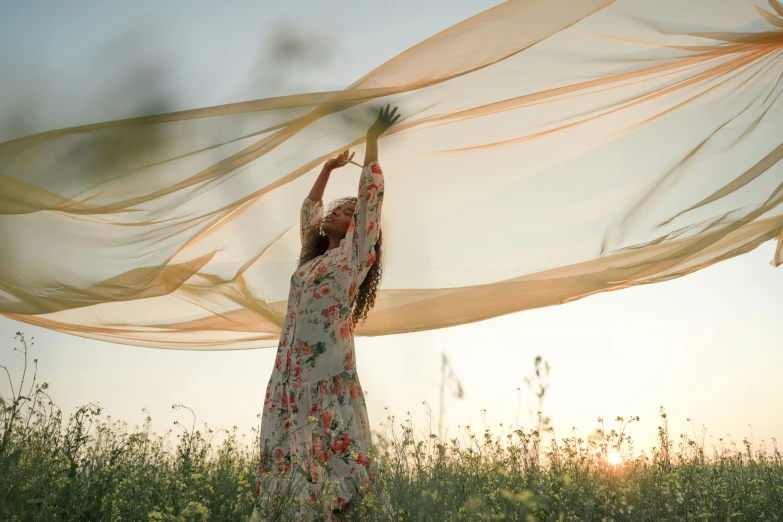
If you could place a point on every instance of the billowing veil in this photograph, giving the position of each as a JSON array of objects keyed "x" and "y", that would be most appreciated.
[{"x": 550, "y": 149}]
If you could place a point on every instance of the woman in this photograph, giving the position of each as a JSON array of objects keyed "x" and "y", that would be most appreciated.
[{"x": 314, "y": 428}]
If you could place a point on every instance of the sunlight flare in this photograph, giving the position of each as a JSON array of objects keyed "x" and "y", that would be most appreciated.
[{"x": 614, "y": 458}]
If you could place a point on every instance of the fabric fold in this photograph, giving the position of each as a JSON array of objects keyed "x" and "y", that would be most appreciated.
[{"x": 549, "y": 150}]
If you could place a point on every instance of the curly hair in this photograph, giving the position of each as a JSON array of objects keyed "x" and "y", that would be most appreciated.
[{"x": 314, "y": 245}]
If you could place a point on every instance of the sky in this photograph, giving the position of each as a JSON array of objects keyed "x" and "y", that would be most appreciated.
[{"x": 705, "y": 347}]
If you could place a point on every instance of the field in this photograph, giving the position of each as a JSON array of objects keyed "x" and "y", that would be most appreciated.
[{"x": 85, "y": 468}]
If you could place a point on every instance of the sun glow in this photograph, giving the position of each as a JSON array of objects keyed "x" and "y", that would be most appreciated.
[{"x": 614, "y": 458}]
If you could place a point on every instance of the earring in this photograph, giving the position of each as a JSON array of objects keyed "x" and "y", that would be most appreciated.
[{"x": 321, "y": 230}]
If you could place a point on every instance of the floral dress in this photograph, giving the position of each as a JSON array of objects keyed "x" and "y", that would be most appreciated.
[{"x": 314, "y": 426}]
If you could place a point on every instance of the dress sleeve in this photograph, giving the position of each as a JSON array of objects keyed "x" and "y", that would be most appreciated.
[
  {"x": 364, "y": 230},
  {"x": 312, "y": 212}
]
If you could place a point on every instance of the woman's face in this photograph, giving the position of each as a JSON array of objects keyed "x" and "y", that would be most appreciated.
[{"x": 337, "y": 222}]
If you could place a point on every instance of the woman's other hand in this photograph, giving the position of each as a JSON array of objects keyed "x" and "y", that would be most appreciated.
[
  {"x": 339, "y": 161},
  {"x": 386, "y": 119}
]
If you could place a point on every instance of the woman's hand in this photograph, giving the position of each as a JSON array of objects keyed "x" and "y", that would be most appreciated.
[
  {"x": 317, "y": 192},
  {"x": 385, "y": 120},
  {"x": 339, "y": 161}
]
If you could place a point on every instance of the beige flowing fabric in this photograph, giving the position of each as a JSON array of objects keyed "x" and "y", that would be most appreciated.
[{"x": 550, "y": 150}]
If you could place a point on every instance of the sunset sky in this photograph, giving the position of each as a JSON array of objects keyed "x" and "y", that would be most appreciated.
[{"x": 707, "y": 346}]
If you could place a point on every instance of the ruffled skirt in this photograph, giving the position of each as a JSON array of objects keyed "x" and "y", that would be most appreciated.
[{"x": 316, "y": 446}]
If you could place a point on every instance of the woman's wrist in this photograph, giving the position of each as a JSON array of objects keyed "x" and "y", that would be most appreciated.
[{"x": 371, "y": 149}]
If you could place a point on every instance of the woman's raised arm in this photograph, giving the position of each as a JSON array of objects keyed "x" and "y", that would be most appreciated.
[
  {"x": 367, "y": 217},
  {"x": 313, "y": 207}
]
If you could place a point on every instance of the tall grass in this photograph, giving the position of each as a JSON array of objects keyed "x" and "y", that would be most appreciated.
[{"x": 89, "y": 469}]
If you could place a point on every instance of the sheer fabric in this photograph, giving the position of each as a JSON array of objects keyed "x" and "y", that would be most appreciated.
[{"x": 551, "y": 149}]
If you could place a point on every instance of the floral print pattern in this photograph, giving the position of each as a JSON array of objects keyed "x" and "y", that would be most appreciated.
[{"x": 314, "y": 424}]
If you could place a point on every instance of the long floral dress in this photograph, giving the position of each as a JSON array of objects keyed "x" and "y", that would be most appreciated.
[{"x": 314, "y": 377}]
